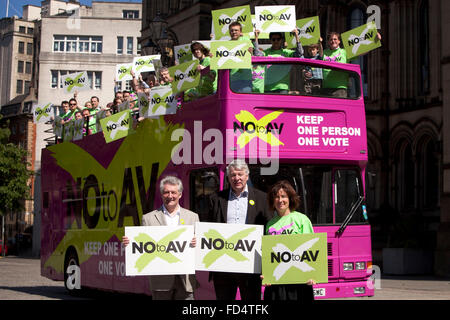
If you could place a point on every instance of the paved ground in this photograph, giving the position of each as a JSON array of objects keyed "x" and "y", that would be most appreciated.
[{"x": 20, "y": 279}]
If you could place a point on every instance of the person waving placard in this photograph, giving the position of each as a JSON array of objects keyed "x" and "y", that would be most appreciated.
[
  {"x": 183, "y": 53},
  {"x": 123, "y": 71},
  {"x": 231, "y": 55},
  {"x": 76, "y": 81},
  {"x": 309, "y": 32},
  {"x": 42, "y": 114},
  {"x": 275, "y": 18},
  {"x": 185, "y": 76},
  {"x": 145, "y": 63},
  {"x": 361, "y": 40},
  {"x": 222, "y": 18},
  {"x": 117, "y": 126},
  {"x": 162, "y": 101}
]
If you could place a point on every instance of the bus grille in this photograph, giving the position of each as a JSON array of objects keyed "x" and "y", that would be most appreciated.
[{"x": 330, "y": 261}]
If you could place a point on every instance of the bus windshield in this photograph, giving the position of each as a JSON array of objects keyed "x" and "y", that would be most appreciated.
[
  {"x": 295, "y": 78},
  {"x": 318, "y": 187}
]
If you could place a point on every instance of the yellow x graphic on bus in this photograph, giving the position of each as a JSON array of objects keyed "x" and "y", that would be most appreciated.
[{"x": 262, "y": 128}]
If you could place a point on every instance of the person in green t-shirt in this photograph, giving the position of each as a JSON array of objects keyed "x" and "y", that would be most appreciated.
[
  {"x": 284, "y": 200},
  {"x": 240, "y": 79},
  {"x": 277, "y": 77},
  {"x": 334, "y": 82},
  {"x": 208, "y": 79}
]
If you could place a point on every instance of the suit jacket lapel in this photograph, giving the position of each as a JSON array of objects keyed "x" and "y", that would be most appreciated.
[
  {"x": 160, "y": 217},
  {"x": 224, "y": 204},
  {"x": 183, "y": 217},
  {"x": 251, "y": 208}
]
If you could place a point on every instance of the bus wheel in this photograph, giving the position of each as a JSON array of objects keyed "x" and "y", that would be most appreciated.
[{"x": 72, "y": 272}]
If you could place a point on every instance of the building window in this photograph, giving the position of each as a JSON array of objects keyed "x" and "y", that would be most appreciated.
[
  {"x": 424, "y": 56},
  {"x": 20, "y": 66},
  {"x": 28, "y": 67},
  {"x": 54, "y": 79},
  {"x": 130, "y": 14},
  {"x": 19, "y": 88},
  {"x": 138, "y": 47},
  {"x": 77, "y": 44},
  {"x": 83, "y": 44},
  {"x": 21, "y": 47},
  {"x": 22, "y": 29},
  {"x": 128, "y": 85},
  {"x": 29, "y": 49},
  {"x": 119, "y": 45},
  {"x": 94, "y": 77},
  {"x": 30, "y": 30},
  {"x": 96, "y": 44},
  {"x": 129, "y": 45},
  {"x": 27, "y": 87}
]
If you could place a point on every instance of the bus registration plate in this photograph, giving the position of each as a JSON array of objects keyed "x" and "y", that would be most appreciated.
[{"x": 319, "y": 292}]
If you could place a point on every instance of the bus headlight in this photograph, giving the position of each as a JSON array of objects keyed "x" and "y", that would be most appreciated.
[
  {"x": 359, "y": 290},
  {"x": 360, "y": 266},
  {"x": 348, "y": 266}
]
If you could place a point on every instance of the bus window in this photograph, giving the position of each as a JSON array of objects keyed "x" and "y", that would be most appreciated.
[
  {"x": 312, "y": 184},
  {"x": 203, "y": 183},
  {"x": 296, "y": 79},
  {"x": 348, "y": 189}
]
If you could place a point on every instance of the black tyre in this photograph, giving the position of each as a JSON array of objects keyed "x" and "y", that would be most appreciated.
[{"x": 72, "y": 273}]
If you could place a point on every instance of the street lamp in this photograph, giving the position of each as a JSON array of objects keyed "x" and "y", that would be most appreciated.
[{"x": 159, "y": 38}]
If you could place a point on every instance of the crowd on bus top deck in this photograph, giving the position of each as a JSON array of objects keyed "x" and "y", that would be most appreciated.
[{"x": 257, "y": 80}]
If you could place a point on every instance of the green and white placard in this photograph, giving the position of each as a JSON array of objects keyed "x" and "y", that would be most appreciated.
[
  {"x": 360, "y": 40},
  {"x": 78, "y": 125},
  {"x": 289, "y": 259},
  {"x": 231, "y": 55},
  {"x": 275, "y": 18},
  {"x": 145, "y": 63},
  {"x": 143, "y": 104},
  {"x": 159, "y": 250},
  {"x": 251, "y": 35},
  {"x": 228, "y": 247},
  {"x": 162, "y": 101},
  {"x": 309, "y": 32},
  {"x": 123, "y": 71},
  {"x": 42, "y": 114},
  {"x": 185, "y": 76},
  {"x": 68, "y": 131},
  {"x": 117, "y": 126},
  {"x": 224, "y": 17},
  {"x": 100, "y": 114},
  {"x": 183, "y": 53},
  {"x": 76, "y": 82},
  {"x": 57, "y": 127}
]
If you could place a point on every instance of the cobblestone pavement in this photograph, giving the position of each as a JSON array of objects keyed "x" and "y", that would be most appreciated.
[{"x": 20, "y": 279}]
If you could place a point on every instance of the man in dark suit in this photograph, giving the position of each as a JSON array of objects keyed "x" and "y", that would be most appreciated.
[{"x": 239, "y": 204}]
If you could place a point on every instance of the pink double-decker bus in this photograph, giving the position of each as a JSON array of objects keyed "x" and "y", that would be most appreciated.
[{"x": 311, "y": 133}]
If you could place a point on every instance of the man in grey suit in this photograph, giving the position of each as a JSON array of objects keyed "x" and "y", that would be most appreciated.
[{"x": 171, "y": 287}]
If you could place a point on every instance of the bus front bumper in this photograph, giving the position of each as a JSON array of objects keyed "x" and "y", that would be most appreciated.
[{"x": 343, "y": 290}]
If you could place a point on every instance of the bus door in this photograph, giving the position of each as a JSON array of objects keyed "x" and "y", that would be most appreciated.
[{"x": 353, "y": 234}]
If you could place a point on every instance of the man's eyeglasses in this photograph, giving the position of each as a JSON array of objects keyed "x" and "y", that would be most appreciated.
[
  {"x": 73, "y": 104},
  {"x": 275, "y": 39}
]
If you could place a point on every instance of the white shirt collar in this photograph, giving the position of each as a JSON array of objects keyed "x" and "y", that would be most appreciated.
[
  {"x": 177, "y": 211},
  {"x": 244, "y": 192}
]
